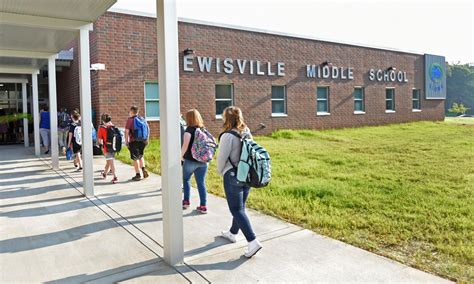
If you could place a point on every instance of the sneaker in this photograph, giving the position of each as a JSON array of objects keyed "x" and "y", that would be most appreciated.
[
  {"x": 104, "y": 175},
  {"x": 137, "y": 177},
  {"x": 47, "y": 152},
  {"x": 252, "y": 249},
  {"x": 229, "y": 236},
  {"x": 145, "y": 174},
  {"x": 186, "y": 204},
  {"x": 202, "y": 209},
  {"x": 115, "y": 180},
  {"x": 79, "y": 169},
  {"x": 75, "y": 165}
]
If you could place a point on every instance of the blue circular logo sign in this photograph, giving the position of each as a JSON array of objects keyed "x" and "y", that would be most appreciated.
[{"x": 436, "y": 72}]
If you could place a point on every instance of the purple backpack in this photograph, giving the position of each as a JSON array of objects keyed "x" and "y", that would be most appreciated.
[{"x": 204, "y": 146}]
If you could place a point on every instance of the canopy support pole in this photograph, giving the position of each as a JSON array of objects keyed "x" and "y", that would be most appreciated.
[
  {"x": 53, "y": 112},
  {"x": 34, "y": 82},
  {"x": 168, "y": 71},
  {"x": 24, "y": 96},
  {"x": 86, "y": 112}
]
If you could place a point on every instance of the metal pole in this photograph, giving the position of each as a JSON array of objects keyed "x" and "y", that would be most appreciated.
[
  {"x": 53, "y": 112},
  {"x": 24, "y": 97},
  {"x": 86, "y": 112},
  {"x": 34, "y": 82},
  {"x": 168, "y": 70}
]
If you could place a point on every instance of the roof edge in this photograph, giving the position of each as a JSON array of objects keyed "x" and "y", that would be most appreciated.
[{"x": 263, "y": 31}]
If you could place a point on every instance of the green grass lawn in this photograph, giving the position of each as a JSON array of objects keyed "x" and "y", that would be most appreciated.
[
  {"x": 460, "y": 120},
  {"x": 403, "y": 191}
]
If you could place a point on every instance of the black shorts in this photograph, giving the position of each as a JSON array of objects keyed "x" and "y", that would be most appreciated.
[
  {"x": 136, "y": 149},
  {"x": 76, "y": 148}
]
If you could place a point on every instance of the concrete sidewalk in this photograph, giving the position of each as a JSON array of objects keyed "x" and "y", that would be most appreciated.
[{"x": 49, "y": 232}]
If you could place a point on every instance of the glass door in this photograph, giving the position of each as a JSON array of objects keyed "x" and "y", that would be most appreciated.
[{"x": 10, "y": 105}]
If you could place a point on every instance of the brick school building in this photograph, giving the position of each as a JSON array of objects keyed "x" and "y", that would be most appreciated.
[{"x": 280, "y": 81}]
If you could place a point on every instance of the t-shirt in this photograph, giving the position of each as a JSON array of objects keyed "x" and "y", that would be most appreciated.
[
  {"x": 188, "y": 155},
  {"x": 130, "y": 126},
  {"x": 103, "y": 135},
  {"x": 45, "y": 122},
  {"x": 64, "y": 120},
  {"x": 71, "y": 130}
]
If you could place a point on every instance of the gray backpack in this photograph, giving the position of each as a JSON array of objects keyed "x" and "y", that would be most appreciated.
[{"x": 254, "y": 167}]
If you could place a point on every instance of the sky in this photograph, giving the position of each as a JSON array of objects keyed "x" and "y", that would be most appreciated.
[{"x": 435, "y": 27}]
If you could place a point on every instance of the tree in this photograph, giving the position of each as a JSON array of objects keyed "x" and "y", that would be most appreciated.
[
  {"x": 458, "y": 108},
  {"x": 460, "y": 87}
]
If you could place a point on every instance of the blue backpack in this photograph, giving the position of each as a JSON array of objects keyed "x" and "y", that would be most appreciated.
[{"x": 140, "y": 129}]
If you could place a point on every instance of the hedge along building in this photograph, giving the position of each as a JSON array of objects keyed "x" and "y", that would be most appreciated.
[{"x": 280, "y": 81}]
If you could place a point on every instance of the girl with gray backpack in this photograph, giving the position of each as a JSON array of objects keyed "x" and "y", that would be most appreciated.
[{"x": 231, "y": 144}]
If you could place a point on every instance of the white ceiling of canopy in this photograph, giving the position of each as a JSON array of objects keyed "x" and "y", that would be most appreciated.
[{"x": 36, "y": 28}]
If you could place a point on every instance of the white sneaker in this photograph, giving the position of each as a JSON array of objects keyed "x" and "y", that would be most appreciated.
[
  {"x": 228, "y": 235},
  {"x": 252, "y": 249}
]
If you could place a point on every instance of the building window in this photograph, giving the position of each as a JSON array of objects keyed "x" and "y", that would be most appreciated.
[
  {"x": 152, "y": 100},
  {"x": 389, "y": 100},
  {"x": 322, "y": 100},
  {"x": 416, "y": 99},
  {"x": 278, "y": 100},
  {"x": 359, "y": 100},
  {"x": 224, "y": 98}
]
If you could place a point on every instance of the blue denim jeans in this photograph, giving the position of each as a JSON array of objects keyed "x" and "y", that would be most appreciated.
[
  {"x": 236, "y": 195},
  {"x": 199, "y": 170}
]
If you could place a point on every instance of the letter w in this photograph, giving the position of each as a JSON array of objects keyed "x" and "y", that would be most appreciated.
[{"x": 205, "y": 63}]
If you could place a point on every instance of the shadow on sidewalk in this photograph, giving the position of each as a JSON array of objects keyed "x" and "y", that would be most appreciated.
[
  {"x": 69, "y": 235},
  {"x": 62, "y": 207},
  {"x": 223, "y": 265},
  {"x": 107, "y": 276},
  {"x": 24, "y": 174},
  {"x": 20, "y": 192}
]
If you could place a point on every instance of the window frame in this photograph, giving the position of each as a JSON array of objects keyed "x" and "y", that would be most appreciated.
[
  {"x": 285, "y": 104},
  {"x": 393, "y": 109},
  {"x": 419, "y": 100},
  {"x": 151, "y": 118},
  {"x": 219, "y": 116},
  {"x": 328, "y": 110},
  {"x": 355, "y": 100}
]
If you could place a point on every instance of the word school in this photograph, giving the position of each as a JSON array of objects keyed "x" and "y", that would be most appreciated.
[
  {"x": 228, "y": 65},
  {"x": 388, "y": 76}
]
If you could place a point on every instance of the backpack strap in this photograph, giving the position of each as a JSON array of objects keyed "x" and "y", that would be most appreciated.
[{"x": 236, "y": 134}]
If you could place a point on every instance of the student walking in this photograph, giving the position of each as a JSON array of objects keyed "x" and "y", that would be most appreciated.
[
  {"x": 74, "y": 140},
  {"x": 45, "y": 128},
  {"x": 136, "y": 138},
  {"x": 64, "y": 120},
  {"x": 195, "y": 160},
  {"x": 236, "y": 193},
  {"x": 109, "y": 139}
]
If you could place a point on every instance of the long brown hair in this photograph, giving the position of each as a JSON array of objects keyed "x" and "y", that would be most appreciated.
[
  {"x": 233, "y": 119},
  {"x": 194, "y": 118}
]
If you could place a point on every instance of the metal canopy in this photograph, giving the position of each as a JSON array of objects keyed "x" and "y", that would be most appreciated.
[
  {"x": 33, "y": 32},
  {"x": 32, "y": 35},
  {"x": 81, "y": 10},
  {"x": 41, "y": 28}
]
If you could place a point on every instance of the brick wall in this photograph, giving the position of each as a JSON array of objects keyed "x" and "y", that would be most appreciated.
[
  {"x": 67, "y": 82},
  {"x": 127, "y": 46}
]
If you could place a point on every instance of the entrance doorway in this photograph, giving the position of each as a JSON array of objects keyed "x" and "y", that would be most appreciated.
[{"x": 11, "y": 105}]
